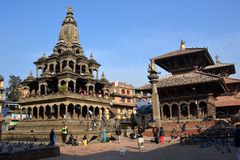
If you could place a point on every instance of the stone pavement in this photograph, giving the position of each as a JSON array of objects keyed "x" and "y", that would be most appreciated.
[{"x": 151, "y": 151}]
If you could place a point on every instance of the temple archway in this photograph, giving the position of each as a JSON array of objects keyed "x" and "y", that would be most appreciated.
[
  {"x": 203, "y": 108},
  {"x": 55, "y": 111},
  {"x": 184, "y": 109},
  {"x": 71, "y": 86},
  {"x": 84, "y": 112},
  {"x": 166, "y": 111},
  {"x": 70, "y": 110},
  {"x": 96, "y": 111},
  {"x": 78, "y": 110},
  {"x": 193, "y": 109},
  {"x": 41, "y": 112},
  {"x": 48, "y": 112},
  {"x": 175, "y": 111},
  {"x": 62, "y": 110},
  {"x": 90, "y": 112},
  {"x": 35, "y": 112}
]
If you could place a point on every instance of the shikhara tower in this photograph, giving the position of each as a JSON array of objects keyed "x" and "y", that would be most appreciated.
[{"x": 66, "y": 86}]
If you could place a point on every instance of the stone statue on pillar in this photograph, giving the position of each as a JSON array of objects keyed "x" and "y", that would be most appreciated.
[{"x": 153, "y": 79}]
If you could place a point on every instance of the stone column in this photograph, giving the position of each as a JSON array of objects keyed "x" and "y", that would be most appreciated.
[
  {"x": 44, "y": 110},
  {"x": 170, "y": 110},
  {"x": 74, "y": 67},
  {"x": 179, "y": 112},
  {"x": 54, "y": 67},
  {"x": 37, "y": 111},
  {"x": 153, "y": 79},
  {"x": 74, "y": 87},
  {"x": 97, "y": 75},
  {"x": 66, "y": 111},
  {"x": 162, "y": 113},
  {"x": 60, "y": 66},
  {"x": 45, "y": 87},
  {"x": 106, "y": 114},
  {"x": 20, "y": 114},
  {"x": 100, "y": 114},
  {"x": 58, "y": 114},
  {"x": 93, "y": 114},
  {"x": 88, "y": 116},
  {"x": 188, "y": 108},
  {"x": 31, "y": 113}
]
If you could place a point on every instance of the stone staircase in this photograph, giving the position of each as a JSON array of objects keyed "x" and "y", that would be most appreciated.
[{"x": 39, "y": 130}]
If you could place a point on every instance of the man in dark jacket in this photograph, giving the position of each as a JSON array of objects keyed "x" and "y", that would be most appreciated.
[
  {"x": 237, "y": 140},
  {"x": 118, "y": 133},
  {"x": 155, "y": 131},
  {"x": 52, "y": 137}
]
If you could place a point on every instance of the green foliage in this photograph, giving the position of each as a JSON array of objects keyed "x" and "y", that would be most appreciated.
[
  {"x": 62, "y": 88},
  {"x": 13, "y": 92}
]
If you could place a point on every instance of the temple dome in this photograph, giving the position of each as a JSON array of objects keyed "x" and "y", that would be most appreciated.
[{"x": 69, "y": 33}]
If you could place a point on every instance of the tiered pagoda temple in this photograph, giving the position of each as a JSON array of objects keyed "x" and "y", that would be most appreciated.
[
  {"x": 66, "y": 87},
  {"x": 196, "y": 87}
]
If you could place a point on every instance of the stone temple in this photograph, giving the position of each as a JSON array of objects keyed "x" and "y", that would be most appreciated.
[{"x": 66, "y": 89}]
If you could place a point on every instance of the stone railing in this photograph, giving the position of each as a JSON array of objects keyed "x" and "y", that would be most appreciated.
[{"x": 63, "y": 95}]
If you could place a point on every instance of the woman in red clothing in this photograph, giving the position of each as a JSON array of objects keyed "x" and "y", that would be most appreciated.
[{"x": 161, "y": 133}]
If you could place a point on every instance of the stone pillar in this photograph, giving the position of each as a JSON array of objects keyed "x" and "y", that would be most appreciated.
[
  {"x": 54, "y": 67},
  {"x": 93, "y": 115},
  {"x": 179, "y": 112},
  {"x": 58, "y": 114},
  {"x": 66, "y": 111},
  {"x": 74, "y": 67},
  {"x": 20, "y": 114},
  {"x": 31, "y": 113},
  {"x": 37, "y": 111},
  {"x": 44, "y": 110},
  {"x": 88, "y": 116},
  {"x": 170, "y": 110},
  {"x": 106, "y": 114},
  {"x": 100, "y": 114},
  {"x": 60, "y": 66},
  {"x": 80, "y": 69},
  {"x": 162, "y": 113},
  {"x": 97, "y": 75},
  {"x": 74, "y": 87},
  {"x": 45, "y": 87},
  {"x": 198, "y": 110},
  {"x": 153, "y": 79},
  {"x": 188, "y": 108}
]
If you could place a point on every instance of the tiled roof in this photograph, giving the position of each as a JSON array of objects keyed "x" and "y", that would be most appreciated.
[
  {"x": 218, "y": 65},
  {"x": 179, "y": 52},
  {"x": 229, "y": 100},
  {"x": 231, "y": 80},
  {"x": 184, "y": 79}
]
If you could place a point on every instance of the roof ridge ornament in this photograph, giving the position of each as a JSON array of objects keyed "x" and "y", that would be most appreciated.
[
  {"x": 217, "y": 59},
  {"x": 182, "y": 46}
]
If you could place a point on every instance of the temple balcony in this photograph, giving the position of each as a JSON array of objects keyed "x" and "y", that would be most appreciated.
[{"x": 64, "y": 96}]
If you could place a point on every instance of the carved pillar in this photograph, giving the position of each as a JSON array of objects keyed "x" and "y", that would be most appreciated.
[
  {"x": 100, "y": 114},
  {"x": 170, "y": 110},
  {"x": 31, "y": 113},
  {"x": 188, "y": 108},
  {"x": 88, "y": 116},
  {"x": 45, "y": 87},
  {"x": 44, "y": 112},
  {"x": 179, "y": 112},
  {"x": 20, "y": 114},
  {"x": 80, "y": 66},
  {"x": 74, "y": 67},
  {"x": 74, "y": 87},
  {"x": 93, "y": 115},
  {"x": 37, "y": 111},
  {"x": 54, "y": 67},
  {"x": 60, "y": 66},
  {"x": 66, "y": 111},
  {"x": 161, "y": 108}
]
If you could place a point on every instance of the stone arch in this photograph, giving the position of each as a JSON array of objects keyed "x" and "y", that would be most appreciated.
[
  {"x": 71, "y": 64},
  {"x": 97, "y": 111},
  {"x": 71, "y": 86},
  {"x": 64, "y": 64},
  {"x": 175, "y": 110},
  {"x": 35, "y": 112},
  {"x": 84, "y": 112},
  {"x": 39, "y": 70},
  {"x": 41, "y": 112},
  {"x": 84, "y": 67},
  {"x": 184, "y": 109},
  {"x": 77, "y": 69},
  {"x": 51, "y": 68},
  {"x": 24, "y": 112},
  {"x": 203, "y": 108},
  {"x": 55, "y": 111},
  {"x": 62, "y": 110},
  {"x": 95, "y": 73},
  {"x": 63, "y": 83},
  {"x": 48, "y": 112},
  {"x": 166, "y": 111},
  {"x": 91, "y": 90},
  {"x": 193, "y": 109},
  {"x": 78, "y": 110},
  {"x": 42, "y": 89},
  {"x": 29, "y": 111},
  {"x": 57, "y": 67},
  {"x": 91, "y": 112},
  {"x": 71, "y": 110}
]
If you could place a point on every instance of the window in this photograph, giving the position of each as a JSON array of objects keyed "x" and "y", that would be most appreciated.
[
  {"x": 123, "y": 91},
  {"x": 128, "y": 92},
  {"x": 123, "y": 100},
  {"x": 129, "y": 100}
]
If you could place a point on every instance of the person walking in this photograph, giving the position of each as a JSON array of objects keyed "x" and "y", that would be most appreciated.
[
  {"x": 52, "y": 137},
  {"x": 140, "y": 138},
  {"x": 118, "y": 133},
  {"x": 237, "y": 140},
  {"x": 162, "y": 135},
  {"x": 64, "y": 133},
  {"x": 155, "y": 131}
]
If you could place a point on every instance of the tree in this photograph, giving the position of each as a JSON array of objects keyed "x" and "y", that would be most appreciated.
[{"x": 12, "y": 92}]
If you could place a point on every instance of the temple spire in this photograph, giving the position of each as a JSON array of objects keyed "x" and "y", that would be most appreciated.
[
  {"x": 69, "y": 33},
  {"x": 182, "y": 46}
]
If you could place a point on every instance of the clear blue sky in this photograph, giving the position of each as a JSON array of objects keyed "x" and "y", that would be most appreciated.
[{"x": 122, "y": 35}]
